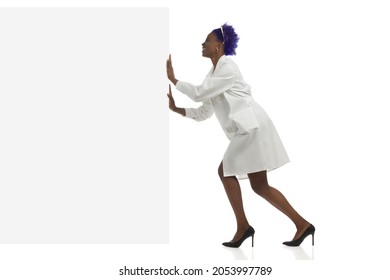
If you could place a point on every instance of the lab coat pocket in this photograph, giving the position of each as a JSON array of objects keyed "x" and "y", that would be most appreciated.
[{"x": 245, "y": 120}]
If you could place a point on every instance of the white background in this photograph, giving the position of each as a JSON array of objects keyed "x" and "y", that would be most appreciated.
[{"x": 323, "y": 79}]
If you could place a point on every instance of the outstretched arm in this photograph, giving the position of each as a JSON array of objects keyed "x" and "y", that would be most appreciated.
[
  {"x": 201, "y": 113},
  {"x": 219, "y": 82}
]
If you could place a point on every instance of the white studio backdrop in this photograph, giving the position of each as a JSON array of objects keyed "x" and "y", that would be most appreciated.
[
  {"x": 322, "y": 75},
  {"x": 323, "y": 80}
]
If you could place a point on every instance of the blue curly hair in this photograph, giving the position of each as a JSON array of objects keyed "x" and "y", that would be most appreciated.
[{"x": 229, "y": 37}]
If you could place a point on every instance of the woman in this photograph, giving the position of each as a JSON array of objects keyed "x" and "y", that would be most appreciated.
[{"x": 255, "y": 146}]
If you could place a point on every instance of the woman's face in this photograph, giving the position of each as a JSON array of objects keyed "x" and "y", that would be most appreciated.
[{"x": 210, "y": 46}]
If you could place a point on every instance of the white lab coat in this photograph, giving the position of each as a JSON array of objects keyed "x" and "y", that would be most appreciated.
[{"x": 254, "y": 142}]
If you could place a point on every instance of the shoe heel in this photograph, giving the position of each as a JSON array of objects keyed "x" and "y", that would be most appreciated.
[
  {"x": 250, "y": 232},
  {"x": 253, "y": 240},
  {"x": 309, "y": 231}
]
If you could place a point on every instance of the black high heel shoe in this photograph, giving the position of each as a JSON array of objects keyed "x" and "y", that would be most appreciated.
[
  {"x": 309, "y": 231},
  {"x": 250, "y": 232}
]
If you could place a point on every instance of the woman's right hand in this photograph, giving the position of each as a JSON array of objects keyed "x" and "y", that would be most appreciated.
[{"x": 172, "y": 104}]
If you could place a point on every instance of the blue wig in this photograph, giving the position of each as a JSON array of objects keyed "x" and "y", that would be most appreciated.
[{"x": 229, "y": 37}]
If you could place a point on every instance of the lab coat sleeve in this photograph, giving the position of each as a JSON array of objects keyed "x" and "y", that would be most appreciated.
[
  {"x": 201, "y": 113},
  {"x": 213, "y": 85}
]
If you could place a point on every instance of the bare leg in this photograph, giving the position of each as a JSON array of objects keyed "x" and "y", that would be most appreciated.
[
  {"x": 260, "y": 186},
  {"x": 233, "y": 191}
]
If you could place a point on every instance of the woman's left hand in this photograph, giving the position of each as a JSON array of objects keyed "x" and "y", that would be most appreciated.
[{"x": 170, "y": 72}]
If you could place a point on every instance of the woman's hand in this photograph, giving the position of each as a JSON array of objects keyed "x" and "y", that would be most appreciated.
[
  {"x": 170, "y": 72},
  {"x": 172, "y": 104}
]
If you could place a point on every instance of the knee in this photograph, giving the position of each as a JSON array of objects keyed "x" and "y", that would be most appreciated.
[
  {"x": 220, "y": 171},
  {"x": 259, "y": 184},
  {"x": 260, "y": 189}
]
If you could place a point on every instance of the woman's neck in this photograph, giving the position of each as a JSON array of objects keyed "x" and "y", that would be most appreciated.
[{"x": 215, "y": 59}]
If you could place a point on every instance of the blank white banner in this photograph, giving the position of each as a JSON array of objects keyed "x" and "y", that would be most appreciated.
[{"x": 83, "y": 125}]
